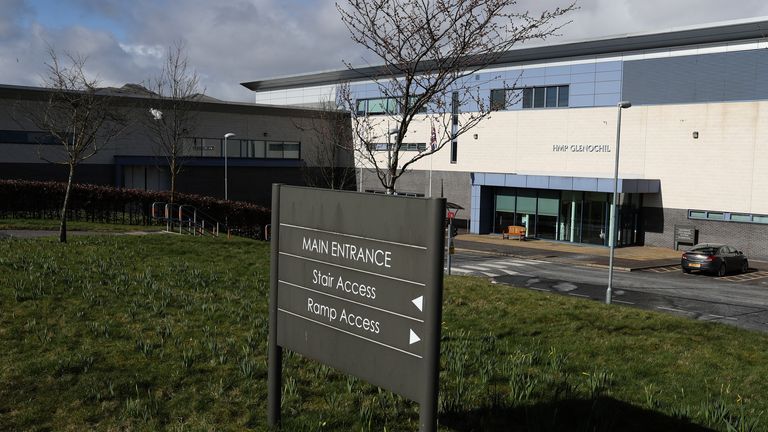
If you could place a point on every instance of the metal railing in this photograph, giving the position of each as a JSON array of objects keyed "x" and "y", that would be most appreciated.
[{"x": 185, "y": 219}]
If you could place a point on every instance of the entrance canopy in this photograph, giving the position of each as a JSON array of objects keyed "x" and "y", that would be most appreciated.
[{"x": 586, "y": 184}]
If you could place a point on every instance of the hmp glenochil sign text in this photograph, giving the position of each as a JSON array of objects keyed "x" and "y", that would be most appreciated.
[{"x": 356, "y": 283}]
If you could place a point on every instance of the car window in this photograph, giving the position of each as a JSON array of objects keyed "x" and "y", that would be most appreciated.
[
  {"x": 727, "y": 250},
  {"x": 706, "y": 250}
]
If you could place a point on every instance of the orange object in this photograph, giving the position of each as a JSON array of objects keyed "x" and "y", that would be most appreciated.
[{"x": 514, "y": 230}]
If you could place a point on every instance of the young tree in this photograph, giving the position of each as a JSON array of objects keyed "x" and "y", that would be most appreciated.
[
  {"x": 77, "y": 116},
  {"x": 428, "y": 49},
  {"x": 328, "y": 164},
  {"x": 172, "y": 116}
]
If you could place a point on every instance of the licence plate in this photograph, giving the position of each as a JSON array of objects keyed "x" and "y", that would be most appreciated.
[{"x": 694, "y": 265}]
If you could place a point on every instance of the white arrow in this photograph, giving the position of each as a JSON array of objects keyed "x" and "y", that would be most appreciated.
[
  {"x": 413, "y": 338},
  {"x": 419, "y": 302}
]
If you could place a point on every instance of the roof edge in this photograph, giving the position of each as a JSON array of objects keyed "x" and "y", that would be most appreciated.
[{"x": 724, "y": 31}]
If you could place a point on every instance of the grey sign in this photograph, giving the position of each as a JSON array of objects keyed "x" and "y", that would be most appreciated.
[
  {"x": 685, "y": 234},
  {"x": 357, "y": 284}
]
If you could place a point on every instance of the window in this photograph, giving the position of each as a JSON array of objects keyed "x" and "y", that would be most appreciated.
[
  {"x": 551, "y": 97},
  {"x": 382, "y": 146},
  {"x": 283, "y": 150},
  {"x": 397, "y": 193},
  {"x": 736, "y": 217},
  {"x": 538, "y": 97},
  {"x": 728, "y": 217},
  {"x": 714, "y": 216},
  {"x": 498, "y": 99},
  {"x": 27, "y": 137},
  {"x": 531, "y": 97},
  {"x": 385, "y": 105},
  {"x": 562, "y": 96},
  {"x": 454, "y": 126}
]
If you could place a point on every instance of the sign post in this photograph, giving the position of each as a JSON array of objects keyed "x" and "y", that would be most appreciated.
[{"x": 355, "y": 288}]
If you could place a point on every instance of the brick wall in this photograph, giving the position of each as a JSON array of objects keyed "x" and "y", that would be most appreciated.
[{"x": 752, "y": 239}]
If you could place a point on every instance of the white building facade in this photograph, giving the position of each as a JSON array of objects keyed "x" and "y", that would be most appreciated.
[{"x": 694, "y": 148}]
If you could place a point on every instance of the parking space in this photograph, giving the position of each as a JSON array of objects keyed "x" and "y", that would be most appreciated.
[
  {"x": 747, "y": 277},
  {"x": 666, "y": 269},
  {"x": 751, "y": 276}
]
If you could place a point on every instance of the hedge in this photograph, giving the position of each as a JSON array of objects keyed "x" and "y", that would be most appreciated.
[{"x": 38, "y": 199}]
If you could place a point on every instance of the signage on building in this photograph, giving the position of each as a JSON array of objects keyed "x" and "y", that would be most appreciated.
[
  {"x": 581, "y": 148},
  {"x": 357, "y": 284},
  {"x": 686, "y": 234}
]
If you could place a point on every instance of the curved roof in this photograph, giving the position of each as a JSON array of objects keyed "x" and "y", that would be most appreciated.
[{"x": 711, "y": 33}]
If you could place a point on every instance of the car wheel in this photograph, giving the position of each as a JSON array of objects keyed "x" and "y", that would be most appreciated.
[
  {"x": 745, "y": 266},
  {"x": 721, "y": 271},
  {"x": 686, "y": 270}
]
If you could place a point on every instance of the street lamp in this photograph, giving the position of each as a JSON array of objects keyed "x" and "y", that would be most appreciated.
[
  {"x": 226, "y": 194},
  {"x": 390, "y": 132},
  {"x": 612, "y": 234}
]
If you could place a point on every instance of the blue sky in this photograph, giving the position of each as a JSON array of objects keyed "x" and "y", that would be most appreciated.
[
  {"x": 63, "y": 14},
  {"x": 232, "y": 41}
]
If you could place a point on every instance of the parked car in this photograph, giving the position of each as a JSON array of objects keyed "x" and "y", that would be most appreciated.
[{"x": 714, "y": 258}]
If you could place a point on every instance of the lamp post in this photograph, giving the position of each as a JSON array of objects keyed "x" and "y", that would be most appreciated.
[
  {"x": 226, "y": 191},
  {"x": 612, "y": 225},
  {"x": 390, "y": 132}
]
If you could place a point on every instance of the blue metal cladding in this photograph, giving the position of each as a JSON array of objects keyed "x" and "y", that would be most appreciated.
[
  {"x": 591, "y": 84},
  {"x": 716, "y": 77},
  {"x": 711, "y": 77}
]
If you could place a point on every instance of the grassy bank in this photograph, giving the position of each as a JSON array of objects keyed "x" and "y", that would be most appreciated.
[{"x": 169, "y": 332}]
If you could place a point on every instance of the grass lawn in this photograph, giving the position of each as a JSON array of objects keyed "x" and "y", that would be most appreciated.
[
  {"x": 53, "y": 225},
  {"x": 169, "y": 333}
]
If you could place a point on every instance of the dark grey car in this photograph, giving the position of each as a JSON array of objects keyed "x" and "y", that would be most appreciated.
[{"x": 714, "y": 258}]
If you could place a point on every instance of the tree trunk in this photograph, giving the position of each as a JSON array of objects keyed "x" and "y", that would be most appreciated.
[
  {"x": 172, "y": 169},
  {"x": 63, "y": 225},
  {"x": 173, "y": 184}
]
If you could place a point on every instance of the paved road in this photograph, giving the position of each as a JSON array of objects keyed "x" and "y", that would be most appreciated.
[{"x": 740, "y": 300}]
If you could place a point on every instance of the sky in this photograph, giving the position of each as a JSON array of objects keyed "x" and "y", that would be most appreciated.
[{"x": 234, "y": 41}]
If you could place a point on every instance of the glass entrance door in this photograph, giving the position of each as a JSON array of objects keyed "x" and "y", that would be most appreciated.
[
  {"x": 505, "y": 211},
  {"x": 547, "y": 208},
  {"x": 569, "y": 228},
  {"x": 594, "y": 225},
  {"x": 525, "y": 214}
]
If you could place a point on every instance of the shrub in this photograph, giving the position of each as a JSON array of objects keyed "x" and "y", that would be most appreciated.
[{"x": 43, "y": 199}]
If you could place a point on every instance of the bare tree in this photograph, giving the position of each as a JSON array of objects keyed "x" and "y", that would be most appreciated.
[
  {"x": 77, "y": 115},
  {"x": 330, "y": 163},
  {"x": 428, "y": 50},
  {"x": 172, "y": 116}
]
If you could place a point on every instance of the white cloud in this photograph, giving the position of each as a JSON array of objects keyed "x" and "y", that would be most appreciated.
[
  {"x": 154, "y": 52},
  {"x": 232, "y": 41}
]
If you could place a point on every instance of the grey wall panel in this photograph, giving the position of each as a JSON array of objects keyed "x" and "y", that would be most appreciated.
[
  {"x": 514, "y": 180},
  {"x": 608, "y": 76},
  {"x": 608, "y": 66},
  {"x": 580, "y": 101},
  {"x": 558, "y": 70},
  {"x": 659, "y": 225},
  {"x": 731, "y": 76},
  {"x": 708, "y": 77},
  {"x": 583, "y": 68},
  {"x": 456, "y": 187},
  {"x": 607, "y": 99},
  {"x": 557, "y": 79},
  {"x": 579, "y": 89},
  {"x": 741, "y": 74},
  {"x": 603, "y": 87},
  {"x": 583, "y": 78}
]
